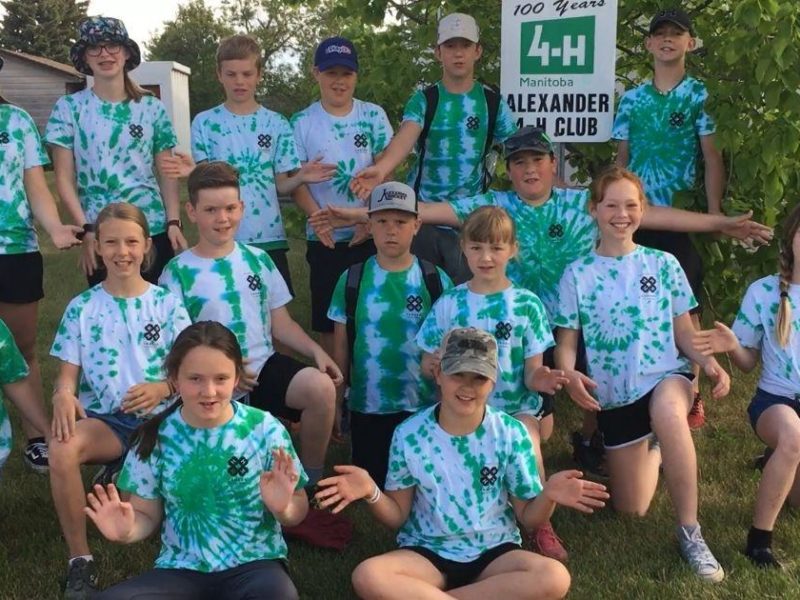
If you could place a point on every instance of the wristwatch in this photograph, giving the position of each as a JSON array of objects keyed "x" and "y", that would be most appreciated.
[
  {"x": 175, "y": 223},
  {"x": 87, "y": 228}
]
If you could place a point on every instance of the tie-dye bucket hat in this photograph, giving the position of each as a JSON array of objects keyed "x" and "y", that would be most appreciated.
[{"x": 94, "y": 31}]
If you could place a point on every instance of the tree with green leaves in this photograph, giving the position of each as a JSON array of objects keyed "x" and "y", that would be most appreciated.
[
  {"x": 191, "y": 39},
  {"x": 45, "y": 28}
]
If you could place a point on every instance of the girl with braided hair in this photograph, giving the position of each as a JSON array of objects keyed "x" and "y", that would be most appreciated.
[{"x": 764, "y": 326}]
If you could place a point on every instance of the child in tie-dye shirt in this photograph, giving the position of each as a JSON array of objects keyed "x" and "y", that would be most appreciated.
[
  {"x": 219, "y": 476},
  {"x": 111, "y": 343},
  {"x": 461, "y": 474},
  {"x": 392, "y": 301},
  {"x": 632, "y": 304},
  {"x": 105, "y": 141},
  {"x": 662, "y": 127},
  {"x": 518, "y": 321}
]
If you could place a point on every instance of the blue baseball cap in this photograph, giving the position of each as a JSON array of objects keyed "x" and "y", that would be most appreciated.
[{"x": 336, "y": 52}]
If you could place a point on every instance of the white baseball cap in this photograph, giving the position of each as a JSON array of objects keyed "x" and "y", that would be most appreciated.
[
  {"x": 393, "y": 195},
  {"x": 457, "y": 25}
]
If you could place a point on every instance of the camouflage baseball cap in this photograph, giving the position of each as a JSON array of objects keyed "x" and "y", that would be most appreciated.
[{"x": 469, "y": 350}]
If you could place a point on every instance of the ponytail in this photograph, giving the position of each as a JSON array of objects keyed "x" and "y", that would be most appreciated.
[
  {"x": 133, "y": 90},
  {"x": 146, "y": 435},
  {"x": 783, "y": 324}
]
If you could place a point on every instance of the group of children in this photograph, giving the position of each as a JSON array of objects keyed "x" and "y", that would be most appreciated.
[{"x": 439, "y": 331}]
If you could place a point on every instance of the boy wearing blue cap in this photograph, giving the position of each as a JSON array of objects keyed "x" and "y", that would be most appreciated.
[
  {"x": 346, "y": 132},
  {"x": 662, "y": 127}
]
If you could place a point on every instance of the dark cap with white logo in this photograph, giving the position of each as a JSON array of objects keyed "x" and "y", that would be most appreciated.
[{"x": 393, "y": 195}]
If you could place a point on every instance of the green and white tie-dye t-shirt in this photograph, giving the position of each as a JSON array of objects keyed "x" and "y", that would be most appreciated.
[
  {"x": 114, "y": 144},
  {"x": 385, "y": 374},
  {"x": 755, "y": 328},
  {"x": 260, "y": 145},
  {"x": 453, "y": 165},
  {"x": 350, "y": 142},
  {"x": 118, "y": 342},
  {"x": 663, "y": 132},
  {"x": 20, "y": 149},
  {"x": 550, "y": 236},
  {"x": 462, "y": 484},
  {"x": 208, "y": 481},
  {"x": 516, "y": 318},
  {"x": 238, "y": 290},
  {"x": 625, "y": 306},
  {"x": 12, "y": 368}
]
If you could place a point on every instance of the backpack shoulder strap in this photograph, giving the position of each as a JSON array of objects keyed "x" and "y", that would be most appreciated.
[
  {"x": 351, "y": 290},
  {"x": 432, "y": 279},
  {"x": 431, "y": 94}
]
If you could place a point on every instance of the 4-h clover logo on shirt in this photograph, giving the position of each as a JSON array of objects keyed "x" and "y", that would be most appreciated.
[
  {"x": 676, "y": 119},
  {"x": 237, "y": 466},
  {"x": 152, "y": 332},
  {"x": 556, "y": 230},
  {"x": 414, "y": 303},
  {"x": 264, "y": 141},
  {"x": 488, "y": 476},
  {"x": 136, "y": 131},
  {"x": 473, "y": 122},
  {"x": 502, "y": 331},
  {"x": 4, "y": 139},
  {"x": 648, "y": 284},
  {"x": 360, "y": 141},
  {"x": 254, "y": 282}
]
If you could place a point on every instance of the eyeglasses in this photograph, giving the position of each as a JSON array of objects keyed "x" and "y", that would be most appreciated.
[{"x": 98, "y": 50}]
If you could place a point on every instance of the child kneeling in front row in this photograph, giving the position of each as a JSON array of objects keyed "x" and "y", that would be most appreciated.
[{"x": 460, "y": 473}]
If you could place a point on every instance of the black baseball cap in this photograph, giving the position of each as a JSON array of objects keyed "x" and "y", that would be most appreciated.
[
  {"x": 533, "y": 139},
  {"x": 675, "y": 16}
]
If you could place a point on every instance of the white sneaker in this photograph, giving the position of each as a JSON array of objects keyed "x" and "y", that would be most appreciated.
[{"x": 696, "y": 552}]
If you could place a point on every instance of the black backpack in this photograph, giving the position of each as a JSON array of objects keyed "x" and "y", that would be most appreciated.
[
  {"x": 492, "y": 95},
  {"x": 430, "y": 276}
]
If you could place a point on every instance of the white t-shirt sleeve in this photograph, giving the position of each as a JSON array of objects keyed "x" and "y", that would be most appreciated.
[
  {"x": 67, "y": 343},
  {"x": 398, "y": 476},
  {"x": 432, "y": 332},
  {"x": 521, "y": 475},
  {"x": 199, "y": 142},
  {"x": 567, "y": 316},
  {"x": 278, "y": 290},
  {"x": 538, "y": 335},
  {"x": 139, "y": 476},
  {"x": 682, "y": 297},
  {"x": 748, "y": 326}
]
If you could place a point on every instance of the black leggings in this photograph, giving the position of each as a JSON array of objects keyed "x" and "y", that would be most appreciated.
[{"x": 257, "y": 580}]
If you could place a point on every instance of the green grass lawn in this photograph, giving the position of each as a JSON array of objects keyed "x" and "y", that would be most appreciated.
[{"x": 610, "y": 556}]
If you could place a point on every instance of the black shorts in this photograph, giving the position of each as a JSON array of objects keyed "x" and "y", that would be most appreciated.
[
  {"x": 629, "y": 424},
  {"x": 458, "y": 574},
  {"x": 273, "y": 381},
  {"x": 162, "y": 254},
  {"x": 279, "y": 257},
  {"x": 21, "y": 278},
  {"x": 681, "y": 247},
  {"x": 325, "y": 265},
  {"x": 370, "y": 440},
  {"x": 548, "y": 400}
]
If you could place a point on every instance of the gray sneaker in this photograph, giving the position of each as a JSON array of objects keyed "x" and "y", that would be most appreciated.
[
  {"x": 696, "y": 552},
  {"x": 81, "y": 580}
]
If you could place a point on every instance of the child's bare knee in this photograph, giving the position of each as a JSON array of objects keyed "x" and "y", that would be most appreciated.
[{"x": 366, "y": 578}]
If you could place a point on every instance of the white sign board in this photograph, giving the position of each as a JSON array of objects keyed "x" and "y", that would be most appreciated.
[{"x": 558, "y": 66}]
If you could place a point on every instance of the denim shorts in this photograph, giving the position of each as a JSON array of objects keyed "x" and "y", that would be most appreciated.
[
  {"x": 121, "y": 424},
  {"x": 763, "y": 400}
]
